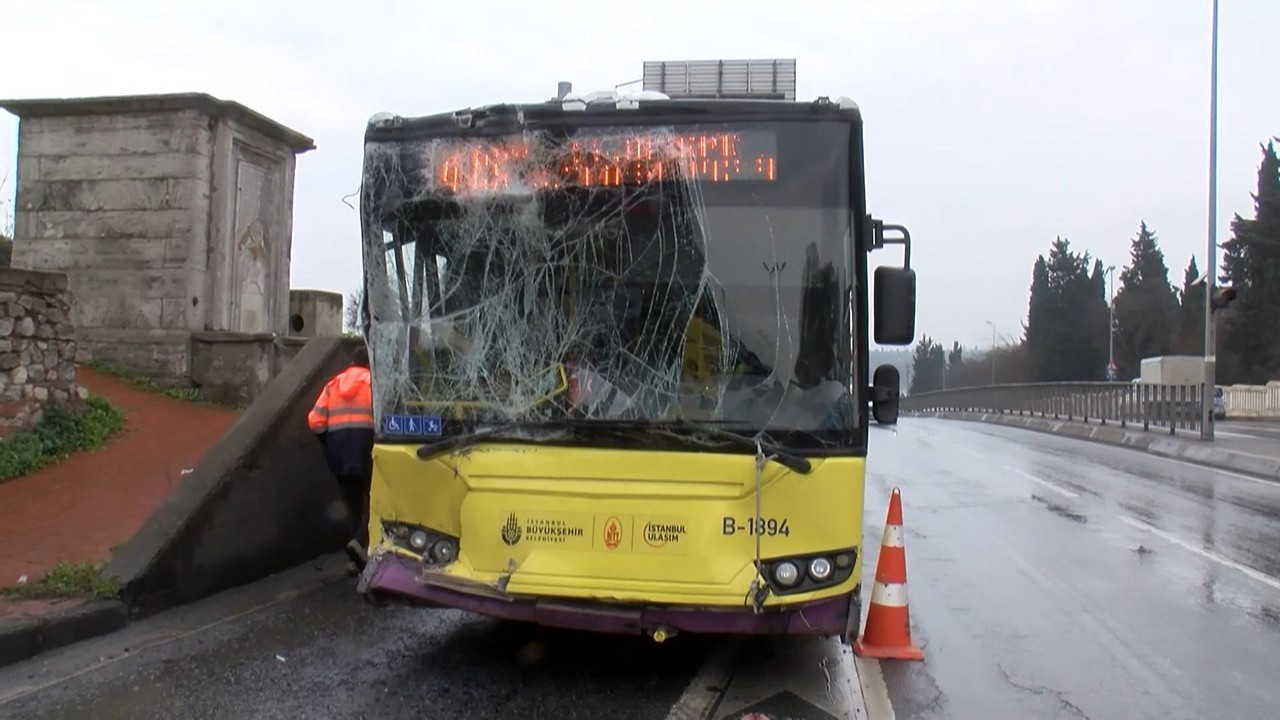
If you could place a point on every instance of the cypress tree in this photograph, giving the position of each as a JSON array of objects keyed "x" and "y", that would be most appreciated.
[
  {"x": 1147, "y": 312},
  {"x": 1251, "y": 263}
]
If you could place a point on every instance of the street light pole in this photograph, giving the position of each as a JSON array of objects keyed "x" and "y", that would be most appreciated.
[
  {"x": 1206, "y": 401},
  {"x": 993, "y": 352},
  {"x": 1111, "y": 325}
]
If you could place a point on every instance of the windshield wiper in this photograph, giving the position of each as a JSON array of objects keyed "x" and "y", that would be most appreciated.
[
  {"x": 430, "y": 450},
  {"x": 790, "y": 460},
  {"x": 785, "y": 458}
]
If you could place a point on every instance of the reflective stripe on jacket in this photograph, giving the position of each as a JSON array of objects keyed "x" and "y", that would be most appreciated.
[
  {"x": 343, "y": 418},
  {"x": 345, "y": 402}
]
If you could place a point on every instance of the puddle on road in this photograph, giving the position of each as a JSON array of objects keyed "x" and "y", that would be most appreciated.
[
  {"x": 1145, "y": 514},
  {"x": 1269, "y": 615},
  {"x": 1078, "y": 487},
  {"x": 1213, "y": 593},
  {"x": 1071, "y": 478},
  {"x": 1060, "y": 509}
]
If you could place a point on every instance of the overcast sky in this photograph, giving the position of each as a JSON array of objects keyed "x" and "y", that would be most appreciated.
[{"x": 992, "y": 126}]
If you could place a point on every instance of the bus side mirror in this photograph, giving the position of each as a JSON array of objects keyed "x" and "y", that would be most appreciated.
[
  {"x": 885, "y": 387},
  {"x": 895, "y": 306}
]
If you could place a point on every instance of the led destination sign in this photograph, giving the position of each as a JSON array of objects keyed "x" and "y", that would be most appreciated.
[{"x": 612, "y": 160}]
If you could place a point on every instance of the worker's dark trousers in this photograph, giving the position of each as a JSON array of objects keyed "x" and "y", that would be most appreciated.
[{"x": 355, "y": 493}]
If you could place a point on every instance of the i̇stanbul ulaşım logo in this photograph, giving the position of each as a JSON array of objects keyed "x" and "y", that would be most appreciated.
[{"x": 511, "y": 530}]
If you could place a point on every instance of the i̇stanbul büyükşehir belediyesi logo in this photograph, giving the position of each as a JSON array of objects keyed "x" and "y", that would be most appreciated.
[{"x": 511, "y": 530}]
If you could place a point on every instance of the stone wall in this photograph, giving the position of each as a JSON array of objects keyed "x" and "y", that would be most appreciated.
[{"x": 37, "y": 347}]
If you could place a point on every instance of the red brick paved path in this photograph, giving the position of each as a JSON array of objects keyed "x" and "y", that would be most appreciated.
[{"x": 91, "y": 502}]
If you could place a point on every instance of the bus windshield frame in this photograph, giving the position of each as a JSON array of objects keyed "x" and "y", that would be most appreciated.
[{"x": 701, "y": 272}]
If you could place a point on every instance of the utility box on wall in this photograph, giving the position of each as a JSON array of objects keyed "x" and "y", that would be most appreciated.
[{"x": 169, "y": 214}]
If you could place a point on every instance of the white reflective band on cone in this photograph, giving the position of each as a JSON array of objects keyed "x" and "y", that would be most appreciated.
[
  {"x": 889, "y": 595},
  {"x": 892, "y": 536}
]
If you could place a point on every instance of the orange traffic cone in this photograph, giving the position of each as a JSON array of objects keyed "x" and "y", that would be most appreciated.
[{"x": 887, "y": 633}]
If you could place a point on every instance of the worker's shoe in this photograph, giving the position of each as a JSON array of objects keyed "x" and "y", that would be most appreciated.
[{"x": 357, "y": 554}]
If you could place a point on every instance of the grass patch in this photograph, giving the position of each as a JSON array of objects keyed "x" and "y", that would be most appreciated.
[
  {"x": 61, "y": 432},
  {"x": 186, "y": 394},
  {"x": 82, "y": 579}
]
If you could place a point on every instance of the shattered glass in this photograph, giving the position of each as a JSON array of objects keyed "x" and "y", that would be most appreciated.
[{"x": 695, "y": 272}]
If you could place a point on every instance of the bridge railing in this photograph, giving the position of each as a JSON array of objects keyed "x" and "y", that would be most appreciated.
[{"x": 1175, "y": 407}]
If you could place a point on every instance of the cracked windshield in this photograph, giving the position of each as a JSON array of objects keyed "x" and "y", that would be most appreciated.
[{"x": 699, "y": 272}]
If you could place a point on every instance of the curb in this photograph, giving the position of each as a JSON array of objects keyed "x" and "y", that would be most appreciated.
[
  {"x": 1263, "y": 419},
  {"x": 1197, "y": 452},
  {"x": 25, "y": 638}
]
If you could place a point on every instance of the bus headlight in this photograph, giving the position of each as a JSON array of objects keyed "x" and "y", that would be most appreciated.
[
  {"x": 434, "y": 547},
  {"x": 819, "y": 571},
  {"x": 819, "y": 568},
  {"x": 786, "y": 573},
  {"x": 444, "y": 552}
]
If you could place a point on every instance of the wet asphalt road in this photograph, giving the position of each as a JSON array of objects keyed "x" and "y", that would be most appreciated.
[
  {"x": 1051, "y": 578},
  {"x": 305, "y": 657},
  {"x": 1258, "y": 429}
]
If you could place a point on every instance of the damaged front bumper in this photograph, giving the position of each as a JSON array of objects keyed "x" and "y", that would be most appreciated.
[{"x": 394, "y": 578}]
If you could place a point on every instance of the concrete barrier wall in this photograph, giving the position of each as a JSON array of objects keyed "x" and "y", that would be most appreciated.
[
  {"x": 262, "y": 500},
  {"x": 1256, "y": 401}
]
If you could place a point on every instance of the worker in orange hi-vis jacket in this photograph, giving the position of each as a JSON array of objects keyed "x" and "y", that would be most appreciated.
[{"x": 342, "y": 419}]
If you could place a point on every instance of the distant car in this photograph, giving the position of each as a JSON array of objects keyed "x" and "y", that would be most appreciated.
[{"x": 1219, "y": 404}]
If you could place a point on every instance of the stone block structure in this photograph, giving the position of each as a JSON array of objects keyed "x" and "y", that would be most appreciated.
[
  {"x": 235, "y": 368},
  {"x": 37, "y": 347},
  {"x": 169, "y": 214},
  {"x": 315, "y": 313}
]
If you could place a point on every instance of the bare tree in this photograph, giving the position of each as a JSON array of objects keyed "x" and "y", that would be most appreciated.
[
  {"x": 6, "y": 224},
  {"x": 351, "y": 311}
]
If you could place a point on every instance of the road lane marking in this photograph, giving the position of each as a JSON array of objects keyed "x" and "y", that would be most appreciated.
[
  {"x": 708, "y": 684},
  {"x": 821, "y": 672},
  {"x": 875, "y": 693},
  {"x": 1061, "y": 491},
  {"x": 848, "y": 682},
  {"x": 973, "y": 452},
  {"x": 1225, "y": 433},
  {"x": 1207, "y": 554},
  {"x": 1210, "y": 468}
]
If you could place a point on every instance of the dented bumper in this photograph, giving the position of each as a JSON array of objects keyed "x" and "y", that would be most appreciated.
[{"x": 395, "y": 578}]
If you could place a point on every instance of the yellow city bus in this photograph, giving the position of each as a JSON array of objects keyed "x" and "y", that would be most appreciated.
[{"x": 619, "y": 350}]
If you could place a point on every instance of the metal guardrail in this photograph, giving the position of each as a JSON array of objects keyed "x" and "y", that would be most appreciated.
[{"x": 1176, "y": 407}]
